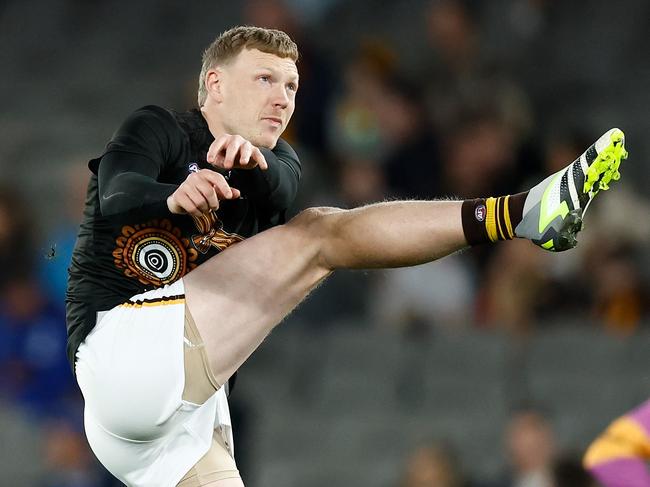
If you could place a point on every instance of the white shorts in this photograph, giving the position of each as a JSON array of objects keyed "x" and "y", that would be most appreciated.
[{"x": 152, "y": 406}]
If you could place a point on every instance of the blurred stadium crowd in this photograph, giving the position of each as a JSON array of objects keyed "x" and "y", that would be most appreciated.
[{"x": 412, "y": 99}]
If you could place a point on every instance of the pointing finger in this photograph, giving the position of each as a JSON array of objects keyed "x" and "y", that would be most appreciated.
[
  {"x": 259, "y": 158},
  {"x": 216, "y": 147},
  {"x": 245, "y": 153},
  {"x": 231, "y": 152}
]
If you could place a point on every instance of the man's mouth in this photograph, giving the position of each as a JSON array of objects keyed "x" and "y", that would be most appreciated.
[{"x": 275, "y": 121}]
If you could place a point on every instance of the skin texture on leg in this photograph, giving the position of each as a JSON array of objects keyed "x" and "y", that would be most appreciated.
[
  {"x": 237, "y": 297},
  {"x": 225, "y": 483}
]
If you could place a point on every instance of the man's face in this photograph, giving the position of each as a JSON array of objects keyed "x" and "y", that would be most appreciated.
[{"x": 258, "y": 95}]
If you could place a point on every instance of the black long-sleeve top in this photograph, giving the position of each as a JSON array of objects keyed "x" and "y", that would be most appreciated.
[{"x": 129, "y": 242}]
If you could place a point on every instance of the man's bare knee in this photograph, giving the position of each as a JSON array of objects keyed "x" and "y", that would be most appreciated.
[
  {"x": 319, "y": 226},
  {"x": 316, "y": 217}
]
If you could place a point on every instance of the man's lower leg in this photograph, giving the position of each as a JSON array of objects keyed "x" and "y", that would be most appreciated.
[{"x": 390, "y": 234}]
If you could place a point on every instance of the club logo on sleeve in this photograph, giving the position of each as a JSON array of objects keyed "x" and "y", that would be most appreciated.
[
  {"x": 154, "y": 253},
  {"x": 479, "y": 212}
]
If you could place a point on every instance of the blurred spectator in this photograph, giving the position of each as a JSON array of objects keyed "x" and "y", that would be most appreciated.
[
  {"x": 620, "y": 295},
  {"x": 32, "y": 348},
  {"x": 460, "y": 75},
  {"x": 562, "y": 146},
  {"x": 360, "y": 182},
  {"x": 429, "y": 298},
  {"x": 453, "y": 35},
  {"x": 614, "y": 244},
  {"x": 482, "y": 156},
  {"x": 69, "y": 460},
  {"x": 354, "y": 127},
  {"x": 530, "y": 448},
  {"x": 412, "y": 159},
  {"x": 34, "y": 369},
  {"x": 16, "y": 236},
  {"x": 569, "y": 472},
  {"x": 62, "y": 236},
  {"x": 434, "y": 465},
  {"x": 513, "y": 29},
  {"x": 514, "y": 288}
]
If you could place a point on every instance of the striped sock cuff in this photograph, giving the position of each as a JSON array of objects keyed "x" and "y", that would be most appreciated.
[
  {"x": 491, "y": 219},
  {"x": 497, "y": 222}
]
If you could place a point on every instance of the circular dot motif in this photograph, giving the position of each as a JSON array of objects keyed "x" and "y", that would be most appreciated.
[{"x": 156, "y": 255}]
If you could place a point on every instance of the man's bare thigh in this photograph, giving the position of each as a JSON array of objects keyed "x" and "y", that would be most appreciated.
[{"x": 238, "y": 296}]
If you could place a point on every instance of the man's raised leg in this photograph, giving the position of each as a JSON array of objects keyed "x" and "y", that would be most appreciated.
[{"x": 238, "y": 296}]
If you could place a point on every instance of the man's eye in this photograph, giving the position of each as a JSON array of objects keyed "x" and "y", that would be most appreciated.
[
  {"x": 265, "y": 78},
  {"x": 292, "y": 87}
]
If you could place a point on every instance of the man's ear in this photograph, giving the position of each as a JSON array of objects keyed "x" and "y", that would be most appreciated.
[{"x": 214, "y": 84}]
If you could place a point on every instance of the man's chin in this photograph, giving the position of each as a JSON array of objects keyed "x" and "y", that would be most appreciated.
[{"x": 266, "y": 141}]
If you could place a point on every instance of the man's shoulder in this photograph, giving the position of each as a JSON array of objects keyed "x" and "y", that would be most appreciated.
[
  {"x": 150, "y": 126},
  {"x": 153, "y": 121},
  {"x": 156, "y": 109},
  {"x": 154, "y": 113}
]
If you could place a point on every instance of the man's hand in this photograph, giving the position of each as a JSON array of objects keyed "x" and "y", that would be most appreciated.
[
  {"x": 200, "y": 192},
  {"x": 235, "y": 152}
]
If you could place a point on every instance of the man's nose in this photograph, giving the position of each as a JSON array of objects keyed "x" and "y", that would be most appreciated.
[{"x": 280, "y": 98}]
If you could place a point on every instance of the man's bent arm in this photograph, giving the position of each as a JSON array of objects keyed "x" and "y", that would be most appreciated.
[
  {"x": 134, "y": 190},
  {"x": 278, "y": 185},
  {"x": 128, "y": 172}
]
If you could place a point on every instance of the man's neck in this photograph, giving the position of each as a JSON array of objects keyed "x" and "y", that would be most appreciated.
[{"x": 214, "y": 124}]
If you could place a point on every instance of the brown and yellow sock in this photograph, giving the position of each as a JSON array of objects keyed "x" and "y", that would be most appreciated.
[{"x": 492, "y": 219}]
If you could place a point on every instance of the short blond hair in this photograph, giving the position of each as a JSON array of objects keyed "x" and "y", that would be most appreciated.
[{"x": 231, "y": 42}]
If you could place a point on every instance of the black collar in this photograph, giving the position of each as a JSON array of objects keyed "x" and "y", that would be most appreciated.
[{"x": 198, "y": 131}]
